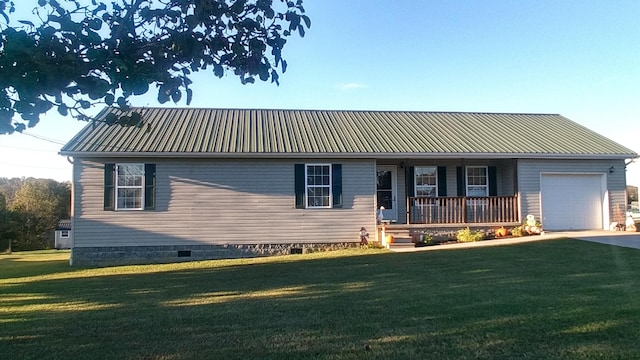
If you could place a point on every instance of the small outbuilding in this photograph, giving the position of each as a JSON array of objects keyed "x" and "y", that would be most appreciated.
[{"x": 63, "y": 234}]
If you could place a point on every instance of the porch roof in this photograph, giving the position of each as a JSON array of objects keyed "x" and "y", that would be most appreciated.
[{"x": 197, "y": 132}]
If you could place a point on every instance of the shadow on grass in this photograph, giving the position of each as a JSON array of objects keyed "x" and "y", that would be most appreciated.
[{"x": 554, "y": 299}]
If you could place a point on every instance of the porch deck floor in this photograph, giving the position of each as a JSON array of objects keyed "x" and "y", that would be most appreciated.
[{"x": 395, "y": 226}]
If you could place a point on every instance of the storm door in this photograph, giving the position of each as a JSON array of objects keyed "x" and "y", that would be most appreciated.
[{"x": 387, "y": 192}]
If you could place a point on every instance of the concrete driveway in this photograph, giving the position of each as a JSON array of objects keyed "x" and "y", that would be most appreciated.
[{"x": 617, "y": 238}]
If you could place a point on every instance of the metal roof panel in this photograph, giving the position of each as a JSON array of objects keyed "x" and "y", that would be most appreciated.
[{"x": 277, "y": 132}]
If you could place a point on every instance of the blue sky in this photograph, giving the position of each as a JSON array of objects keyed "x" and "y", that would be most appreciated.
[{"x": 576, "y": 58}]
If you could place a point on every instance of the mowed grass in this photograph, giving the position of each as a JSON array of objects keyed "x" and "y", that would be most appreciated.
[{"x": 557, "y": 299}]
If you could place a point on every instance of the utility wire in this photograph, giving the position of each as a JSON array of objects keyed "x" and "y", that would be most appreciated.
[
  {"x": 40, "y": 137},
  {"x": 26, "y": 149},
  {"x": 33, "y": 167}
]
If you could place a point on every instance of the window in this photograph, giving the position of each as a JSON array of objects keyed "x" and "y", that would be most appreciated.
[
  {"x": 477, "y": 184},
  {"x": 129, "y": 186},
  {"x": 426, "y": 181},
  {"x": 64, "y": 233},
  {"x": 318, "y": 186}
]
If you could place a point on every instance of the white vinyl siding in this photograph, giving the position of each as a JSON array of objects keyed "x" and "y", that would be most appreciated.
[{"x": 206, "y": 201}]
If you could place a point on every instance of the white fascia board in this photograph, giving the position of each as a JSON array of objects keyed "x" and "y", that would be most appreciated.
[{"x": 347, "y": 155}]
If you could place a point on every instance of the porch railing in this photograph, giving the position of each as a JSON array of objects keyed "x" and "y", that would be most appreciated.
[{"x": 462, "y": 209}]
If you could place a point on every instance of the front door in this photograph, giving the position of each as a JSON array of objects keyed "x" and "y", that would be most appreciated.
[{"x": 386, "y": 194}]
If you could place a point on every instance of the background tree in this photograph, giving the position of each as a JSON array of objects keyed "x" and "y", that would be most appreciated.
[
  {"x": 632, "y": 193},
  {"x": 79, "y": 53},
  {"x": 28, "y": 220},
  {"x": 5, "y": 235},
  {"x": 9, "y": 187}
]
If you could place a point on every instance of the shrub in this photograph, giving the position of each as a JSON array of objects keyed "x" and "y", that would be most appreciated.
[
  {"x": 466, "y": 235},
  {"x": 426, "y": 239},
  {"x": 516, "y": 231},
  {"x": 373, "y": 245}
]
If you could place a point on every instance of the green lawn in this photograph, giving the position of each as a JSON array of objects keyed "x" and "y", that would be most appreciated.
[{"x": 558, "y": 299}]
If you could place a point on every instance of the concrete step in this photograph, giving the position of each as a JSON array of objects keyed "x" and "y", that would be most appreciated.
[
  {"x": 401, "y": 242},
  {"x": 401, "y": 246}
]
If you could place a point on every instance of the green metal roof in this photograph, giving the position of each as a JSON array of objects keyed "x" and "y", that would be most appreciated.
[{"x": 365, "y": 134}]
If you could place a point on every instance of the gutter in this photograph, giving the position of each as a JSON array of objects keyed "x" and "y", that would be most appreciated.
[{"x": 347, "y": 155}]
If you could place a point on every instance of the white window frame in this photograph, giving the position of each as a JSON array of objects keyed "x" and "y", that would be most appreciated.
[
  {"x": 118, "y": 187},
  {"x": 308, "y": 186},
  {"x": 485, "y": 186},
  {"x": 64, "y": 233},
  {"x": 415, "y": 180}
]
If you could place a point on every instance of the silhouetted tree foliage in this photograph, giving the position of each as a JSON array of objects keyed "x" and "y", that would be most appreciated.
[
  {"x": 5, "y": 243},
  {"x": 29, "y": 217},
  {"x": 632, "y": 193},
  {"x": 77, "y": 53}
]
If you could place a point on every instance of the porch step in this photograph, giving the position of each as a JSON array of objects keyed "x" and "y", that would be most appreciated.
[{"x": 401, "y": 242}]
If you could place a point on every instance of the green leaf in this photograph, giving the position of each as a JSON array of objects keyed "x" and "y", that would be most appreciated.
[
  {"x": 139, "y": 88},
  {"x": 109, "y": 99},
  {"x": 163, "y": 96},
  {"x": 63, "y": 110},
  {"x": 95, "y": 24},
  {"x": 111, "y": 119},
  {"x": 307, "y": 21},
  {"x": 176, "y": 96},
  {"x": 122, "y": 102},
  {"x": 218, "y": 70},
  {"x": 189, "y": 96}
]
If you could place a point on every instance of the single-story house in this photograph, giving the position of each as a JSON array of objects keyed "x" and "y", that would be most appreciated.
[
  {"x": 63, "y": 234},
  {"x": 188, "y": 183}
]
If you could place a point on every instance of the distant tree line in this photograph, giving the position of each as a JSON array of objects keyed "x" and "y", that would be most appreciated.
[
  {"x": 632, "y": 193},
  {"x": 29, "y": 212}
]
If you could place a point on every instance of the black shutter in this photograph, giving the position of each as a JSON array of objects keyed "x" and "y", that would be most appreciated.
[
  {"x": 299, "y": 185},
  {"x": 460, "y": 181},
  {"x": 493, "y": 181},
  {"x": 336, "y": 184},
  {"x": 149, "y": 186},
  {"x": 442, "y": 181},
  {"x": 109, "y": 188},
  {"x": 411, "y": 181}
]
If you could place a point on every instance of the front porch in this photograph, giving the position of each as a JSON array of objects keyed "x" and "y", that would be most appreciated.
[
  {"x": 453, "y": 193},
  {"x": 462, "y": 210}
]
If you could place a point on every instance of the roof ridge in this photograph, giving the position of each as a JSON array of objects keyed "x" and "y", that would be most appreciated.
[{"x": 345, "y": 110}]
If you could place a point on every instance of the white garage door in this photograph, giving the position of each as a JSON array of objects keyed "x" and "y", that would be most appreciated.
[{"x": 571, "y": 201}]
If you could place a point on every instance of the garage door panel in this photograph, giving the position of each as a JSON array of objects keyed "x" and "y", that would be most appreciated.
[{"x": 571, "y": 201}]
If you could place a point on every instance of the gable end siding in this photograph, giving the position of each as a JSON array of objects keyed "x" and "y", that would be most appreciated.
[{"x": 529, "y": 180}]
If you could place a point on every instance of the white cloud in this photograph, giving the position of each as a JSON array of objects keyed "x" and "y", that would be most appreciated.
[{"x": 351, "y": 86}]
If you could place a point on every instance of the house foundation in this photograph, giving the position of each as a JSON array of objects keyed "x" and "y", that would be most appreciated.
[{"x": 135, "y": 255}]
